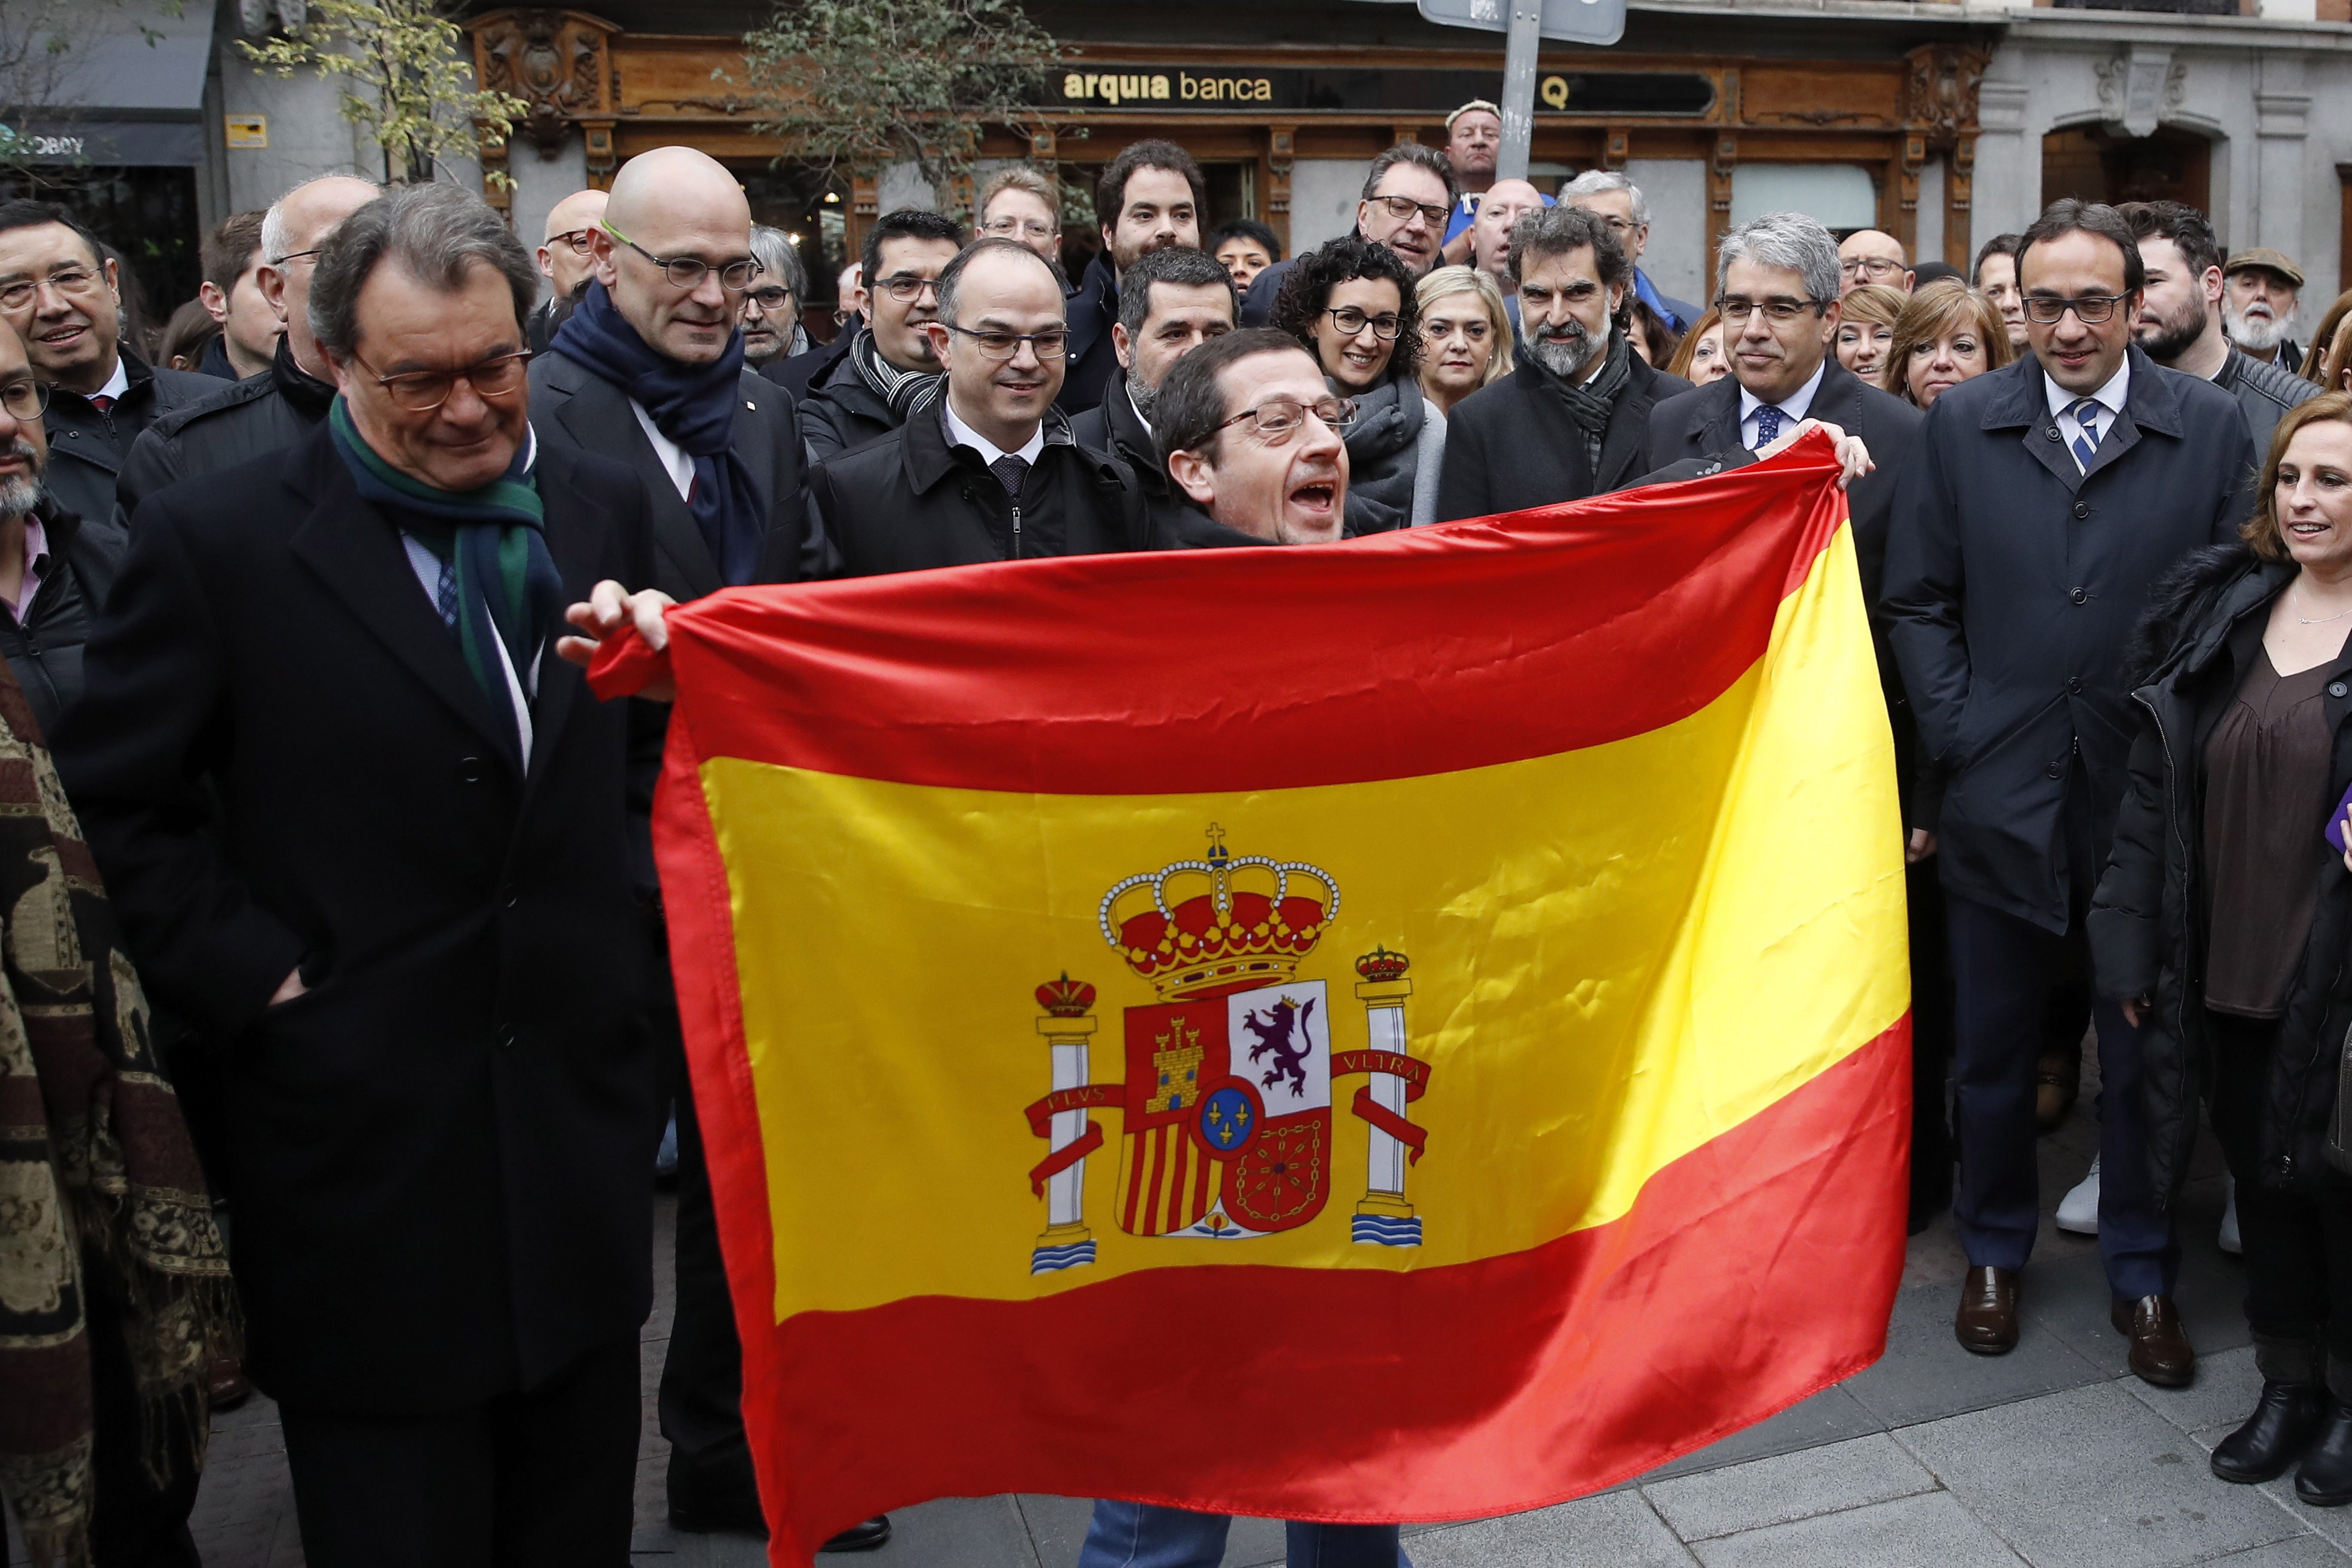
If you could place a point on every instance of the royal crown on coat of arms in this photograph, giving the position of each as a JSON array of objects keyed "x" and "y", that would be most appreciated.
[{"x": 1226, "y": 1107}]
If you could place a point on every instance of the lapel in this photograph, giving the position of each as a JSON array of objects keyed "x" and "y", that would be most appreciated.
[
  {"x": 2025, "y": 404},
  {"x": 598, "y": 418},
  {"x": 2148, "y": 404},
  {"x": 1719, "y": 416},
  {"x": 355, "y": 550}
]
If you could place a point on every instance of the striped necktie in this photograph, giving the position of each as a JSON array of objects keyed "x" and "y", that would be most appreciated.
[{"x": 2086, "y": 413}]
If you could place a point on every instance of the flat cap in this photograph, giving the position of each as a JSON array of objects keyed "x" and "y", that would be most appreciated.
[{"x": 2269, "y": 260}]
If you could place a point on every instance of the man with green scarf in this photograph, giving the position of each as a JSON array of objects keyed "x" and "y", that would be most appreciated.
[{"x": 366, "y": 830}]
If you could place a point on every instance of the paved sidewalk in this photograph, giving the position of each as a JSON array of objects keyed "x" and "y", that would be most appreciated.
[{"x": 2051, "y": 1456}]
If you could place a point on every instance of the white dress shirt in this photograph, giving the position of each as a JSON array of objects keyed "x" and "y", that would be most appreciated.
[
  {"x": 427, "y": 567},
  {"x": 1793, "y": 407},
  {"x": 673, "y": 457},
  {"x": 116, "y": 384},
  {"x": 962, "y": 435},
  {"x": 2110, "y": 397}
]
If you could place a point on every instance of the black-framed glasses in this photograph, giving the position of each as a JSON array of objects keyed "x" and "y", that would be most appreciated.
[
  {"x": 1350, "y": 321},
  {"x": 771, "y": 296},
  {"x": 73, "y": 280},
  {"x": 2089, "y": 308},
  {"x": 310, "y": 255},
  {"x": 581, "y": 240},
  {"x": 1278, "y": 419},
  {"x": 689, "y": 272},
  {"x": 423, "y": 391},
  {"x": 907, "y": 287},
  {"x": 1402, "y": 208},
  {"x": 1779, "y": 310},
  {"x": 1878, "y": 266},
  {"x": 996, "y": 343},
  {"x": 24, "y": 400}
]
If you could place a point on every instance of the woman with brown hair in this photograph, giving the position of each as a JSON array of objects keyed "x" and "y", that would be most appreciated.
[
  {"x": 1703, "y": 356},
  {"x": 2221, "y": 922},
  {"x": 2324, "y": 362},
  {"x": 1947, "y": 334}
]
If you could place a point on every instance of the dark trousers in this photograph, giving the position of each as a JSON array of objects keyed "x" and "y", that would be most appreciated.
[
  {"x": 135, "y": 1522},
  {"x": 2003, "y": 970},
  {"x": 545, "y": 1476},
  {"x": 702, "y": 1376},
  {"x": 2298, "y": 1243},
  {"x": 1931, "y": 1043}
]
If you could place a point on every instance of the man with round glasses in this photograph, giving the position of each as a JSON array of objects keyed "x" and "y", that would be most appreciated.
[
  {"x": 65, "y": 301},
  {"x": 870, "y": 380},
  {"x": 989, "y": 471},
  {"x": 567, "y": 258},
  {"x": 771, "y": 305},
  {"x": 2050, "y": 497}
]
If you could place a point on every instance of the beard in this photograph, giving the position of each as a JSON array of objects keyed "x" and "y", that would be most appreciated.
[
  {"x": 2260, "y": 333},
  {"x": 23, "y": 493},
  {"x": 1143, "y": 396},
  {"x": 1568, "y": 352},
  {"x": 2174, "y": 334}
]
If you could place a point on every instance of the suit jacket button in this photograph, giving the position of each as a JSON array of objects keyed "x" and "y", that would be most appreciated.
[
  {"x": 2080, "y": 596},
  {"x": 506, "y": 1036},
  {"x": 2073, "y": 686},
  {"x": 2082, "y": 510},
  {"x": 2051, "y": 432},
  {"x": 2058, "y": 769},
  {"x": 470, "y": 770},
  {"x": 2337, "y": 689}
]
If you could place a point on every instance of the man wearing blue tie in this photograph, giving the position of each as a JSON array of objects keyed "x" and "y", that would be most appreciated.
[{"x": 2047, "y": 499}]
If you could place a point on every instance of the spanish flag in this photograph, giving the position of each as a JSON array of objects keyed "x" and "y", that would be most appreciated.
[{"x": 1411, "y": 1029}]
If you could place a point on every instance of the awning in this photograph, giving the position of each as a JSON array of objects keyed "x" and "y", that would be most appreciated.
[
  {"x": 136, "y": 59},
  {"x": 111, "y": 143}
]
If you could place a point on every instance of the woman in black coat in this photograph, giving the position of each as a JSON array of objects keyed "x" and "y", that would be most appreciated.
[
  {"x": 1355, "y": 308},
  {"x": 2223, "y": 922}
]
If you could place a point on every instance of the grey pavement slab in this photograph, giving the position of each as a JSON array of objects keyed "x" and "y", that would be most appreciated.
[
  {"x": 2091, "y": 1478},
  {"x": 2301, "y": 1552},
  {"x": 1614, "y": 1529},
  {"x": 1925, "y": 1374},
  {"x": 2223, "y": 1395},
  {"x": 1929, "y": 1529},
  {"x": 1788, "y": 1486},
  {"x": 1826, "y": 1417}
]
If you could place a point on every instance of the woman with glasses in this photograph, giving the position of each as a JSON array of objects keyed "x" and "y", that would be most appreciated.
[
  {"x": 1353, "y": 306},
  {"x": 1023, "y": 206}
]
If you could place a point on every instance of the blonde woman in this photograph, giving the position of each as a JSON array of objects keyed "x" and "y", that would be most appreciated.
[
  {"x": 1947, "y": 334},
  {"x": 1465, "y": 335},
  {"x": 1866, "y": 320}
]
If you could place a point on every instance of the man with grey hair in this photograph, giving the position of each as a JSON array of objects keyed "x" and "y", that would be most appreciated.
[
  {"x": 1618, "y": 200},
  {"x": 259, "y": 416},
  {"x": 1409, "y": 194},
  {"x": 771, "y": 305},
  {"x": 362, "y": 826},
  {"x": 1571, "y": 420}
]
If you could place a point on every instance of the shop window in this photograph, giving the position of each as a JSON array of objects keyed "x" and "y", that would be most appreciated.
[
  {"x": 1841, "y": 196},
  {"x": 147, "y": 215},
  {"x": 2092, "y": 163}
]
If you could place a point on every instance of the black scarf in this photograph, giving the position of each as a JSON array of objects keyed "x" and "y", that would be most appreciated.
[
  {"x": 694, "y": 407},
  {"x": 903, "y": 390},
  {"x": 1591, "y": 403},
  {"x": 305, "y": 394}
]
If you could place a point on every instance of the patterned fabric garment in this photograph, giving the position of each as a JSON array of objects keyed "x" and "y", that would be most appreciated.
[{"x": 97, "y": 1173}]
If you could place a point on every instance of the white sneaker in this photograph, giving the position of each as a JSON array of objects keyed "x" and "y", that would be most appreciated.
[
  {"x": 2228, "y": 1238},
  {"x": 2078, "y": 1211}
]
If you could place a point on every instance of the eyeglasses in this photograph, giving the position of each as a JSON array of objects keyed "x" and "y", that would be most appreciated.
[
  {"x": 18, "y": 295},
  {"x": 1876, "y": 266},
  {"x": 1616, "y": 225},
  {"x": 997, "y": 345},
  {"x": 1350, "y": 321},
  {"x": 2089, "y": 308},
  {"x": 687, "y": 271},
  {"x": 297, "y": 256},
  {"x": 1026, "y": 228},
  {"x": 423, "y": 391},
  {"x": 1779, "y": 311},
  {"x": 906, "y": 287},
  {"x": 579, "y": 239},
  {"x": 774, "y": 296},
  {"x": 24, "y": 401},
  {"x": 1278, "y": 419},
  {"x": 1402, "y": 208}
]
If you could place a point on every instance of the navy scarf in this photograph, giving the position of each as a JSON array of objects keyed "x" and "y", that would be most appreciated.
[{"x": 692, "y": 405}]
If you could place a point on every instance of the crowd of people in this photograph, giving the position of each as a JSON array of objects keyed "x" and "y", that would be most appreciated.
[{"x": 338, "y": 902}]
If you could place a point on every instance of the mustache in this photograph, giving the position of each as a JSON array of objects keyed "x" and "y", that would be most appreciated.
[{"x": 1571, "y": 332}]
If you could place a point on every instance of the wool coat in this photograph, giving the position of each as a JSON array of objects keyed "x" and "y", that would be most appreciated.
[{"x": 1512, "y": 445}]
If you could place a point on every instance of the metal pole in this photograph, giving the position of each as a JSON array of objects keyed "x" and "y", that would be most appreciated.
[{"x": 1520, "y": 89}]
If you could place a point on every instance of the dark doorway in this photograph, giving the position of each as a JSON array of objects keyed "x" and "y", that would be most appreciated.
[{"x": 2093, "y": 164}]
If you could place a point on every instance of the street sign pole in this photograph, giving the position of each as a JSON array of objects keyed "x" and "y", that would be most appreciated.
[{"x": 1519, "y": 89}]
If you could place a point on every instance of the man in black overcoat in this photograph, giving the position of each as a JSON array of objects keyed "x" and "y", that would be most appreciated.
[
  {"x": 1572, "y": 419},
  {"x": 2047, "y": 498},
  {"x": 650, "y": 373},
  {"x": 365, "y": 829},
  {"x": 1173, "y": 301}
]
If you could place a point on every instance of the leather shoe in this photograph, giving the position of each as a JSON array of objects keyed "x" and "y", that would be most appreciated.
[
  {"x": 875, "y": 1532},
  {"x": 1986, "y": 1322},
  {"x": 2326, "y": 1478},
  {"x": 2159, "y": 1346},
  {"x": 226, "y": 1387},
  {"x": 2272, "y": 1437}
]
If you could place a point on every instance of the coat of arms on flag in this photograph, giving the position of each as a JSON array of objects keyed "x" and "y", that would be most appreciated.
[{"x": 1225, "y": 1108}]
